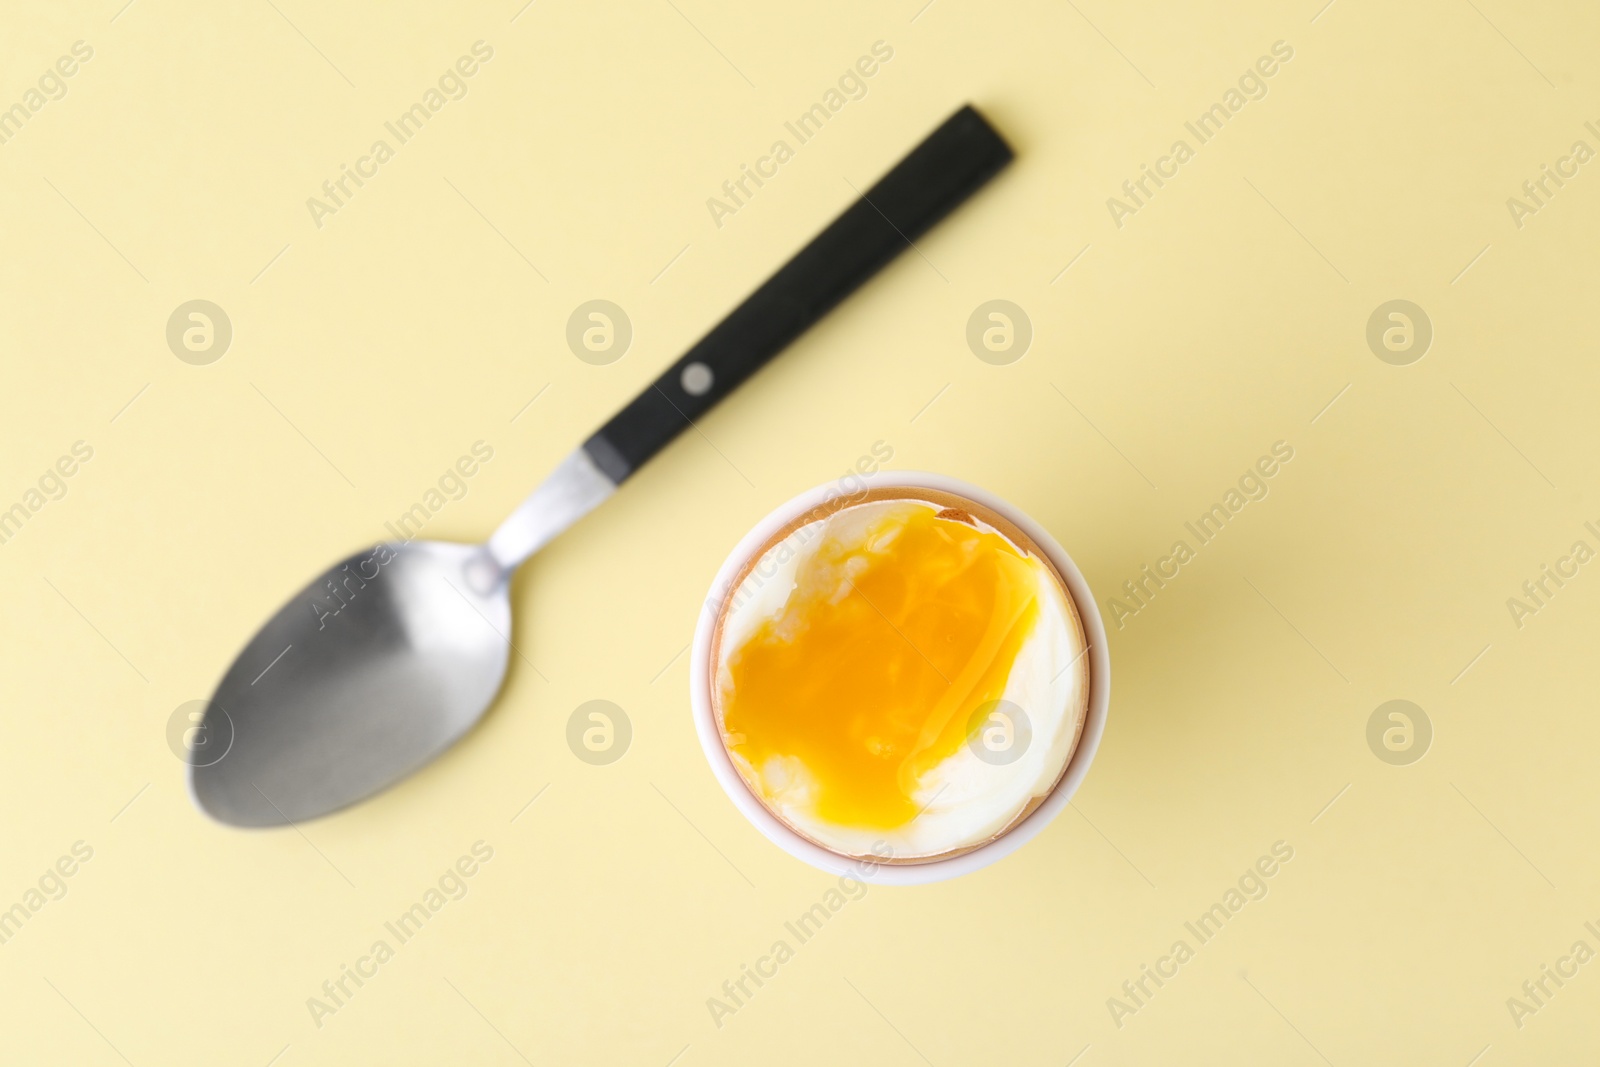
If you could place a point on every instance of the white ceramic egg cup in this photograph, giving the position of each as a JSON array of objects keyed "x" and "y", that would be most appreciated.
[{"x": 937, "y": 870}]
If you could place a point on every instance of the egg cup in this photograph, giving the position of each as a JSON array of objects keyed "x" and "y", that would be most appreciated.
[{"x": 702, "y": 670}]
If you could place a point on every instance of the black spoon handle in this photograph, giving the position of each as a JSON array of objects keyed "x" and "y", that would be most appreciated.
[{"x": 937, "y": 175}]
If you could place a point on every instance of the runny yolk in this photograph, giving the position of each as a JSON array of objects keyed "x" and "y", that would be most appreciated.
[{"x": 870, "y": 675}]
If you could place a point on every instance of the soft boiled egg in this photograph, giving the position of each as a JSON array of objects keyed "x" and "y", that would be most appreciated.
[{"x": 903, "y": 670}]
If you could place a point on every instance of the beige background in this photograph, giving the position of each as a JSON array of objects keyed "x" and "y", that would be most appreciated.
[{"x": 1222, "y": 317}]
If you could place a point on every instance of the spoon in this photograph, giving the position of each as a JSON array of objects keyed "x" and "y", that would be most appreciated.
[{"x": 389, "y": 657}]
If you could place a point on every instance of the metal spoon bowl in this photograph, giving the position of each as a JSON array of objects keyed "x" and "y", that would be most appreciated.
[
  {"x": 377, "y": 666},
  {"x": 335, "y": 699}
]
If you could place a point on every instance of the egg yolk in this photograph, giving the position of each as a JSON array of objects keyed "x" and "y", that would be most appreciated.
[{"x": 870, "y": 675}]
